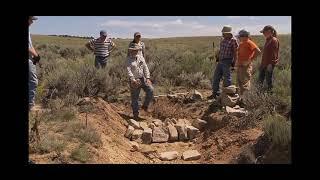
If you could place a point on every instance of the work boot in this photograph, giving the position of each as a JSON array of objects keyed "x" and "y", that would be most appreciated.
[
  {"x": 145, "y": 108},
  {"x": 212, "y": 96},
  {"x": 136, "y": 117}
]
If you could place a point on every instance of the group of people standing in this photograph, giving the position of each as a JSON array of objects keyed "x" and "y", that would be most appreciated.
[
  {"x": 231, "y": 54},
  {"x": 241, "y": 55}
]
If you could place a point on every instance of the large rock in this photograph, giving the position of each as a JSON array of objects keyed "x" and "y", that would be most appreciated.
[
  {"x": 174, "y": 120},
  {"x": 237, "y": 107},
  {"x": 134, "y": 123},
  {"x": 157, "y": 122},
  {"x": 227, "y": 100},
  {"x": 129, "y": 132},
  {"x": 137, "y": 133},
  {"x": 167, "y": 121},
  {"x": 230, "y": 89},
  {"x": 143, "y": 125},
  {"x": 172, "y": 96},
  {"x": 173, "y": 133},
  {"x": 191, "y": 155},
  {"x": 217, "y": 121},
  {"x": 236, "y": 112},
  {"x": 183, "y": 121},
  {"x": 197, "y": 95},
  {"x": 147, "y": 136},
  {"x": 192, "y": 132},
  {"x": 199, "y": 123},
  {"x": 84, "y": 101},
  {"x": 159, "y": 135},
  {"x": 147, "y": 149},
  {"x": 151, "y": 126},
  {"x": 182, "y": 131},
  {"x": 134, "y": 146},
  {"x": 168, "y": 156}
]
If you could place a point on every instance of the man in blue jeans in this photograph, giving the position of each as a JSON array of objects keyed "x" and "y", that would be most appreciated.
[
  {"x": 226, "y": 60},
  {"x": 33, "y": 80},
  {"x": 139, "y": 76}
]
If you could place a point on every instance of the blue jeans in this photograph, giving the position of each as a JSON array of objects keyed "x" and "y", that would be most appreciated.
[
  {"x": 222, "y": 70},
  {"x": 100, "y": 62},
  {"x": 264, "y": 73},
  {"x": 135, "y": 92},
  {"x": 33, "y": 82}
]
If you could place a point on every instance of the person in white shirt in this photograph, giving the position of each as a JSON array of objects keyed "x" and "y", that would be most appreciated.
[{"x": 139, "y": 77}]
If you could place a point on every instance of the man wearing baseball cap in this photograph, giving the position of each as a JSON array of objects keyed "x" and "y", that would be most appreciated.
[
  {"x": 270, "y": 57},
  {"x": 102, "y": 47},
  {"x": 226, "y": 60},
  {"x": 139, "y": 77},
  {"x": 248, "y": 51},
  {"x": 33, "y": 58}
]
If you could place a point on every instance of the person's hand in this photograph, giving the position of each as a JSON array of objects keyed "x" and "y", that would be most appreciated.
[
  {"x": 149, "y": 82},
  {"x": 36, "y": 59},
  {"x": 275, "y": 62},
  {"x": 135, "y": 83}
]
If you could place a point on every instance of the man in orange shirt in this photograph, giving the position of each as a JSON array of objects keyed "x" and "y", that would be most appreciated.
[{"x": 247, "y": 52}]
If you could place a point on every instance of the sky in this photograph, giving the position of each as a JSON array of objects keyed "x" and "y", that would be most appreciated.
[{"x": 155, "y": 26}]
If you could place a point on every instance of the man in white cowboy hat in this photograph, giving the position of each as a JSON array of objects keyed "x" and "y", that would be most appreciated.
[
  {"x": 102, "y": 48},
  {"x": 139, "y": 77},
  {"x": 226, "y": 60}
]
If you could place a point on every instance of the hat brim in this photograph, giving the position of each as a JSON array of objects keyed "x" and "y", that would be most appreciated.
[
  {"x": 137, "y": 35},
  {"x": 226, "y": 32},
  {"x": 34, "y": 18}
]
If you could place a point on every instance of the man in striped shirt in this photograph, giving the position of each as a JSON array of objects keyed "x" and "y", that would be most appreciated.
[{"x": 101, "y": 47}]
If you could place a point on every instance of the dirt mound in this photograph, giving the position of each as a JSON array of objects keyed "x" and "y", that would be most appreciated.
[{"x": 115, "y": 147}]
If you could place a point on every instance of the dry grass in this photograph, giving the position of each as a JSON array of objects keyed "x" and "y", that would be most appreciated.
[
  {"x": 81, "y": 154},
  {"x": 49, "y": 143},
  {"x": 83, "y": 134},
  {"x": 278, "y": 129}
]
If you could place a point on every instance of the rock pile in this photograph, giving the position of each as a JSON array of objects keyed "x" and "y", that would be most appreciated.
[{"x": 170, "y": 130}]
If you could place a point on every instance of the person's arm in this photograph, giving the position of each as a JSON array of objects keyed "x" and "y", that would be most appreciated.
[
  {"x": 143, "y": 51},
  {"x": 146, "y": 72},
  {"x": 33, "y": 52},
  {"x": 275, "y": 51},
  {"x": 235, "y": 53},
  {"x": 217, "y": 55},
  {"x": 257, "y": 52},
  {"x": 113, "y": 46},
  {"x": 89, "y": 45},
  {"x": 130, "y": 74}
]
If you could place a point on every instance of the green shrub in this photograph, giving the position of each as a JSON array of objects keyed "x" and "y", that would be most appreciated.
[
  {"x": 81, "y": 153},
  {"x": 84, "y": 134},
  {"x": 49, "y": 143},
  {"x": 278, "y": 129}
]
